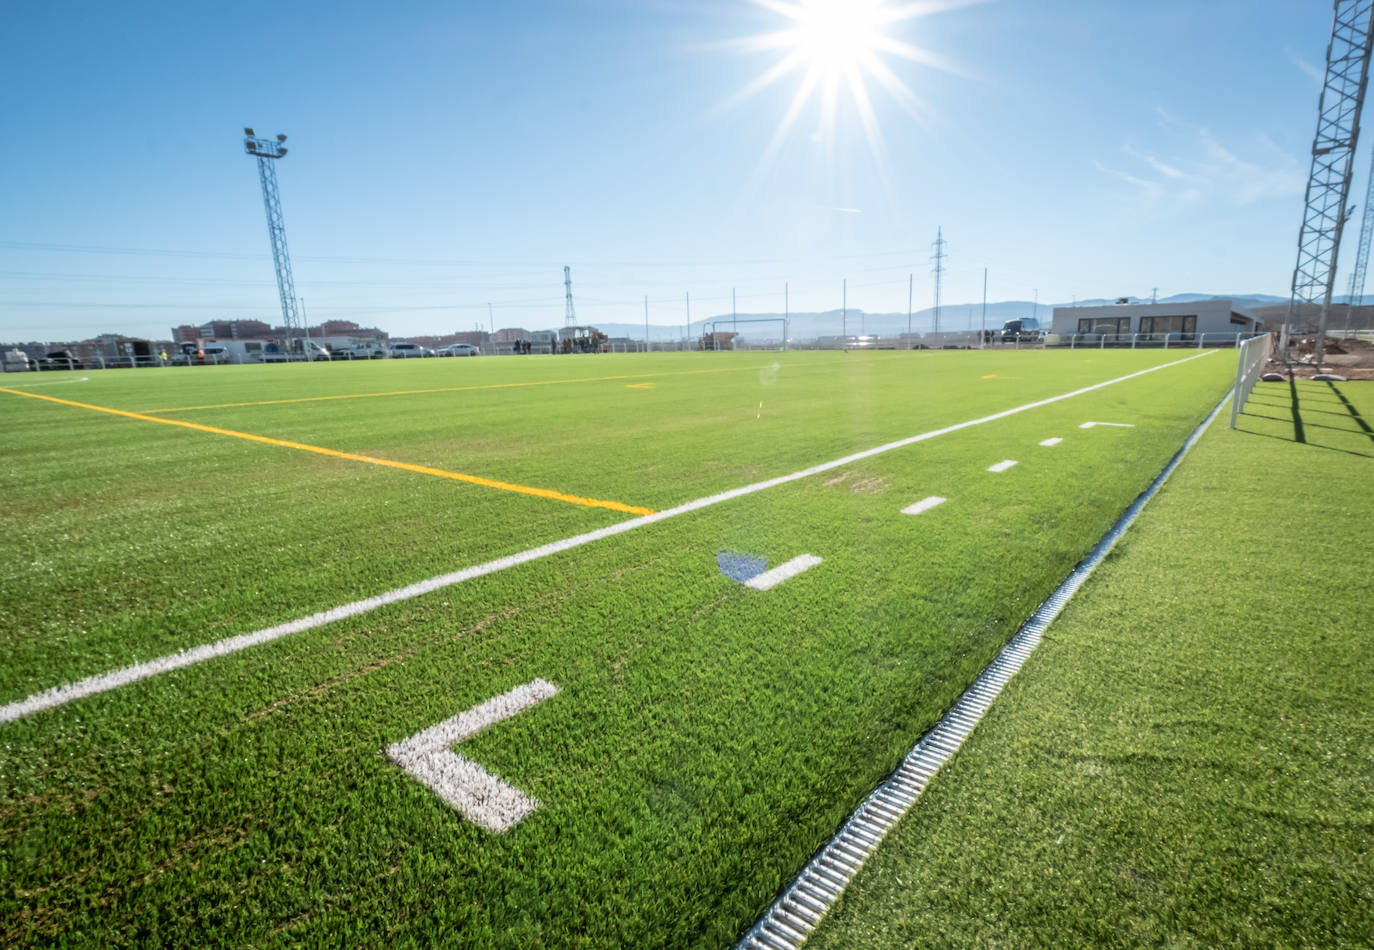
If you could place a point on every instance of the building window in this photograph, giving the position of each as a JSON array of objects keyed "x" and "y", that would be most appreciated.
[
  {"x": 1184, "y": 325},
  {"x": 1238, "y": 320},
  {"x": 1104, "y": 325}
]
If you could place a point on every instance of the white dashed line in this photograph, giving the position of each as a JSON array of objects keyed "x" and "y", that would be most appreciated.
[
  {"x": 774, "y": 577},
  {"x": 1054, "y": 441},
  {"x": 1002, "y": 466},
  {"x": 925, "y": 504}
]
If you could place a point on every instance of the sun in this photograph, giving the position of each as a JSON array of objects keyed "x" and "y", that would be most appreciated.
[
  {"x": 835, "y": 36},
  {"x": 837, "y": 47}
]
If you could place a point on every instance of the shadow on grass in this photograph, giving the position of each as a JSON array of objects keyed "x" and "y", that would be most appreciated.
[
  {"x": 1307, "y": 424},
  {"x": 1299, "y": 435},
  {"x": 1300, "y": 427},
  {"x": 1354, "y": 413}
]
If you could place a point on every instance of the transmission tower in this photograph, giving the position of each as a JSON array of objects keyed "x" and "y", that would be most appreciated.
[
  {"x": 939, "y": 258},
  {"x": 569, "y": 317},
  {"x": 1333, "y": 148},
  {"x": 1356, "y": 296},
  {"x": 267, "y": 151}
]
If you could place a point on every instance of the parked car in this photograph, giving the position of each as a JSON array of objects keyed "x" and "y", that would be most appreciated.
[
  {"x": 407, "y": 350},
  {"x": 60, "y": 359},
  {"x": 460, "y": 349}
]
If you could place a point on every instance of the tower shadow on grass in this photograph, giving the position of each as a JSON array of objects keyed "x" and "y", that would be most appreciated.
[
  {"x": 1304, "y": 432},
  {"x": 1354, "y": 413}
]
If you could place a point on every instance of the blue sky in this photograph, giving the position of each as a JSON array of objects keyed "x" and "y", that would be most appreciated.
[{"x": 447, "y": 155}]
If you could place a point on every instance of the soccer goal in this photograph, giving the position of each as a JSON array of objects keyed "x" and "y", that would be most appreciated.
[{"x": 745, "y": 333}]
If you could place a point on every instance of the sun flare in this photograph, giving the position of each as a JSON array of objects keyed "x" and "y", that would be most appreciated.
[
  {"x": 840, "y": 46},
  {"x": 835, "y": 36}
]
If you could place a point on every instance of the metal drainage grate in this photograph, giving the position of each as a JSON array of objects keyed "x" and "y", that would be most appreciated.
[{"x": 801, "y": 906}]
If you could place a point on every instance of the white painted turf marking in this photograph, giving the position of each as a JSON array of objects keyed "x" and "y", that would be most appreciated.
[
  {"x": 925, "y": 504},
  {"x": 482, "y": 797},
  {"x": 1054, "y": 441},
  {"x": 792, "y": 917},
  {"x": 104, "y": 682},
  {"x": 772, "y": 578},
  {"x": 55, "y": 382},
  {"x": 1116, "y": 425},
  {"x": 1002, "y": 466}
]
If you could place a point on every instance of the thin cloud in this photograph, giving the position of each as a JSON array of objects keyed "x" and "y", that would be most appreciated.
[
  {"x": 1313, "y": 72},
  {"x": 1192, "y": 163}
]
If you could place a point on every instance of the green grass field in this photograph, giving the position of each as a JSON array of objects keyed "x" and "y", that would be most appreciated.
[
  {"x": 1188, "y": 759},
  {"x": 706, "y": 737}
]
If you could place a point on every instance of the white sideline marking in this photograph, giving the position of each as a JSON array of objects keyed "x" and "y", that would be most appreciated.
[
  {"x": 772, "y": 578},
  {"x": 1054, "y": 441},
  {"x": 53, "y": 382},
  {"x": 925, "y": 504},
  {"x": 104, "y": 682},
  {"x": 482, "y": 797},
  {"x": 1002, "y": 466},
  {"x": 1118, "y": 425}
]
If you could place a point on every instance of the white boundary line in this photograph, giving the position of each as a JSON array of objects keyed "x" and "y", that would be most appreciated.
[
  {"x": 791, "y": 918},
  {"x": 1048, "y": 443},
  {"x": 1003, "y": 465},
  {"x": 54, "y": 382},
  {"x": 104, "y": 682}
]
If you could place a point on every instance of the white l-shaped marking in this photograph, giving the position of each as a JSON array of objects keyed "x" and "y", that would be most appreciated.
[{"x": 480, "y": 796}]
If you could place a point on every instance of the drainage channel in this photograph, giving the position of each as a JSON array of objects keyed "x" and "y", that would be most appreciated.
[{"x": 800, "y": 907}]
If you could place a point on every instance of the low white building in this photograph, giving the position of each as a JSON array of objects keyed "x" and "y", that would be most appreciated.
[{"x": 1216, "y": 318}]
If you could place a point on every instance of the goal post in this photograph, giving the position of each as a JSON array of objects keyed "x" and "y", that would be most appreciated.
[{"x": 713, "y": 329}]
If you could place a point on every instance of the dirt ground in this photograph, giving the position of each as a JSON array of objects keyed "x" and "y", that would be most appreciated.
[{"x": 1353, "y": 359}]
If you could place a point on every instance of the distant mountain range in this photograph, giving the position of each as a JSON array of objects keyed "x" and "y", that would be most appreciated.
[{"x": 960, "y": 316}]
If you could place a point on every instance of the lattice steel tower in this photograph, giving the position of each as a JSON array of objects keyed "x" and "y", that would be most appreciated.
[
  {"x": 1333, "y": 149},
  {"x": 939, "y": 270},
  {"x": 266, "y": 151},
  {"x": 1356, "y": 295},
  {"x": 569, "y": 317}
]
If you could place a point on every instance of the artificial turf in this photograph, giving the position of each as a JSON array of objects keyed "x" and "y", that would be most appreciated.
[
  {"x": 1188, "y": 758},
  {"x": 706, "y": 737}
]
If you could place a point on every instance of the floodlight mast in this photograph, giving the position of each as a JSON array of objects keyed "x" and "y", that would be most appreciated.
[
  {"x": 265, "y": 151},
  {"x": 1333, "y": 148}
]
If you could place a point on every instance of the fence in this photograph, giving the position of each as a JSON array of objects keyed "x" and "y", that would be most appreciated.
[
  {"x": 1254, "y": 353},
  {"x": 947, "y": 340}
]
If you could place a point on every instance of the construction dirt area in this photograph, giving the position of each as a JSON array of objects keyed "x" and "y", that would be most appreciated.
[{"x": 1353, "y": 359}]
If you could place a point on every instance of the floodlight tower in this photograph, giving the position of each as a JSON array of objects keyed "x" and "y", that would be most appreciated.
[
  {"x": 1333, "y": 148},
  {"x": 569, "y": 317},
  {"x": 266, "y": 151}
]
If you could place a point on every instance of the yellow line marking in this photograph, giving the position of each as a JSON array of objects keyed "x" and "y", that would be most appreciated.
[
  {"x": 351, "y": 456},
  {"x": 639, "y": 385}
]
